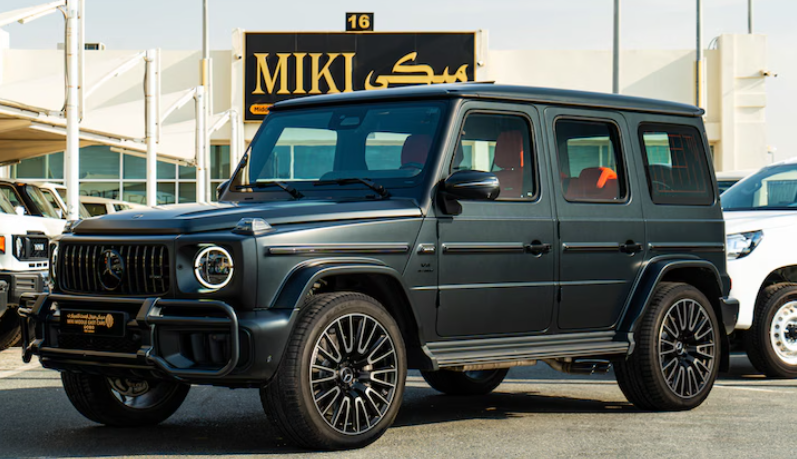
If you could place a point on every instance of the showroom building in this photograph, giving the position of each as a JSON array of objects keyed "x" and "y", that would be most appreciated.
[{"x": 261, "y": 68}]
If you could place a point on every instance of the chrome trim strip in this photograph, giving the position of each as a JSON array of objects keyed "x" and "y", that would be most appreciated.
[
  {"x": 687, "y": 246},
  {"x": 484, "y": 247},
  {"x": 379, "y": 248},
  {"x": 590, "y": 246}
]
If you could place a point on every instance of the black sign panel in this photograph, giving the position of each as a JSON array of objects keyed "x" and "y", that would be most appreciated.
[
  {"x": 359, "y": 22},
  {"x": 279, "y": 66},
  {"x": 96, "y": 323}
]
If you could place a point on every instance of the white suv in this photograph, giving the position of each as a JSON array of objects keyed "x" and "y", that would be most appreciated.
[
  {"x": 761, "y": 226},
  {"x": 23, "y": 265}
]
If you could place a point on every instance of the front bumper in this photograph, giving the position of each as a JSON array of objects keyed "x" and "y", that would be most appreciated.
[
  {"x": 201, "y": 342},
  {"x": 19, "y": 283},
  {"x": 730, "y": 313}
]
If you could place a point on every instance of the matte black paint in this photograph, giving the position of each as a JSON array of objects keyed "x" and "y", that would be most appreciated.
[{"x": 495, "y": 281}]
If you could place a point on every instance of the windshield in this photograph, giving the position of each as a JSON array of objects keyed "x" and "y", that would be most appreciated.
[
  {"x": 388, "y": 144},
  {"x": 41, "y": 202},
  {"x": 5, "y": 205},
  {"x": 772, "y": 188}
]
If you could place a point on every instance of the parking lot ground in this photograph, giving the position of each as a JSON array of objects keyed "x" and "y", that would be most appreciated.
[{"x": 537, "y": 412}]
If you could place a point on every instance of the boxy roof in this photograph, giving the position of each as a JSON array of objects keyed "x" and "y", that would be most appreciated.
[{"x": 500, "y": 92}]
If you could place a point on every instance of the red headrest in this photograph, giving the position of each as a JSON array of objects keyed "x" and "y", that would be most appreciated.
[
  {"x": 509, "y": 150},
  {"x": 598, "y": 176},
  {"x": 416, "y": 149}
]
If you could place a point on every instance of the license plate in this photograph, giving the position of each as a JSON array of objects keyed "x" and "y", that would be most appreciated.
[{"x": 93, "y": 323}]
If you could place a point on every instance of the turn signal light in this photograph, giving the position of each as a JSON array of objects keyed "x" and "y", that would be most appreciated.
[{"x": 2, "y": 244}]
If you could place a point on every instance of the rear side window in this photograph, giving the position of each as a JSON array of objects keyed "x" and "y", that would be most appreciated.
[
  {"x": 590, "y": 164},
  {"x": 677, "y": 168}
]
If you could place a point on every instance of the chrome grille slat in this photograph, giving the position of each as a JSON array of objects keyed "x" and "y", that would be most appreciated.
[{"x": 146, "y": 269}]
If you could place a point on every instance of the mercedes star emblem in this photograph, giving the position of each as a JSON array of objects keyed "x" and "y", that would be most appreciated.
[{"x": 112, "y": 269}]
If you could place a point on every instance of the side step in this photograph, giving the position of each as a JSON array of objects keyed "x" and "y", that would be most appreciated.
[{"x": 512, "y": 351}]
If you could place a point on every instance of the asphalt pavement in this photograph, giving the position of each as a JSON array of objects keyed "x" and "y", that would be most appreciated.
[{"x": 537, "y": 412}]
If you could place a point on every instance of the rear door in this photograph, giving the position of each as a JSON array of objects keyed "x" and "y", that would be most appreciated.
[{"x": 602, "y": 235}]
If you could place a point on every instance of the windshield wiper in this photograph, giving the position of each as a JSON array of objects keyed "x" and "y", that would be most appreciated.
[
  {"x": 380, "y": 190},
  {"x": 266, "y": 184}
]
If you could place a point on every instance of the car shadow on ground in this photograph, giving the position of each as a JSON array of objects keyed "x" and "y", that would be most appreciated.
[{"x": 217, "y": 421}]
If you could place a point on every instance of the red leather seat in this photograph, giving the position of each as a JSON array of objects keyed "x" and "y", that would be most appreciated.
[
  {"x": 508, "y": 163},
  {"x": 594, "y": 183},
  {"x": 416, "y": 149}
]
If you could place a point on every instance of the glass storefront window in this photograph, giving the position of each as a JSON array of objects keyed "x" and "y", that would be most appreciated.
[
  {"x": 187, "y": 173},
  {"x": 166, "y": 193},
  {"x": 108, "y": 190},
  {"x": 135, "y": 192},
  {"x": 219, "y": 162},
  {"x": 98, "y": 163},
  {"x": 48, "y": 167},
  {"x": 135, "y": 168},
  {"x": 187, "y": 192}
]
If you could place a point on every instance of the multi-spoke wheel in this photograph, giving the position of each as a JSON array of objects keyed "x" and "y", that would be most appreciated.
[
  {"x": 341, "y": 380},
  {"x": 686, "y": 347},
  {"x": 465, "y": 383},
  {"x": 354, "y": 373},
  {"x": 771, "y": 342},
  {"x": 676, "y": 359},
  {"x": 123, "y": 402}
]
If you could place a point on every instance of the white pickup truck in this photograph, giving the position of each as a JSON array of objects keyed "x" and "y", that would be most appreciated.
[
  {"x": 24, "y": 246},
  {"x": 761, "y": 226}
]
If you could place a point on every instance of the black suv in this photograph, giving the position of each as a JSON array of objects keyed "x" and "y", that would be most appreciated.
[{"x": 456, "y": 229}]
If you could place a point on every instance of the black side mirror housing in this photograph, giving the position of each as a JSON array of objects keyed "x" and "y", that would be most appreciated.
[{"x": 468, "y": 185}]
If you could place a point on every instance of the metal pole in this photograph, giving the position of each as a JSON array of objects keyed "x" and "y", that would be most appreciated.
[
  {"x": 234, "y": 132},
  {"x": 699, "y": 56},
  {"x": 750, "y": 16},
  {"x": 201, "y": 138},
  {"x": 81, "y": 50},
  {"x": 151, "y": 128},
  {"x": 72, "y": 153},
  {"x": 616, "y": 50},
  {"x": 208, "y": 92}
]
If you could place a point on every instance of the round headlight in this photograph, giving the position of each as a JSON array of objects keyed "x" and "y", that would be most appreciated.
[{"x": 213, "y": 267}]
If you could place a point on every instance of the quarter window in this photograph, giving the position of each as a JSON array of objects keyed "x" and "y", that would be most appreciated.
[
  {"x": 677, "y": 168},
  {"x": 499, "y": 144},
  {"x": 590, "y": 164}
]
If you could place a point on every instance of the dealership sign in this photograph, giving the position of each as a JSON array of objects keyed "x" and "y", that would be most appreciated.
[{"x": 279, "y": 66}]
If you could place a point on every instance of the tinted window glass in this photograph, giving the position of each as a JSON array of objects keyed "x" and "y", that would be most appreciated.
[
  {"x": 11, "y": 196},
  {"x": 771, "y": 188},
  {"x": 590, "y": 164},
  {"x": 96, "y": 209},
  {"x": 677, "y": 168},
  {"x": 499, "y": 144}
]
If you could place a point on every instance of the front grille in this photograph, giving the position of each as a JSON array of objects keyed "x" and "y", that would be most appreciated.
[
  {"x": 141, "y": 269},
  {"x": 126, "y": 344}
]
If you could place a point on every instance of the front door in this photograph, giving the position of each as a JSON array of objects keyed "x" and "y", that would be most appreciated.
[
  {"x": 496, "y": 274},
  {"x": 602, "y": 234}
]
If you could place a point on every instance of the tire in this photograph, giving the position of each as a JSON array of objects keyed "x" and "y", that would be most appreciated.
[
  {"x": 676, "y": 361},
  {"x": 465, "y": 383},
  {"x": 771, "y": 342},
  {"x": 99, "y": 399},
  {"x": 307, "y": 404},
  {"x": 10, "y": 329}
]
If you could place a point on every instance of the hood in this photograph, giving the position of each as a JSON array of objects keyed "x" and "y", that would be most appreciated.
[
  {"x": 195, "y": 218},
  {"x": 22, "y": 224},
  {"x": 740, "y": 221}
]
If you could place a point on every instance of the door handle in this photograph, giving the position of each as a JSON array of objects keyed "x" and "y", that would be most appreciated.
[
  {"x": 538, "y": 248},
  {"x": 631, "y": 247}
]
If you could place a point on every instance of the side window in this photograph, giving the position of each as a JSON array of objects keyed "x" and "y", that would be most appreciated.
[
  {"x": 590, "y": 163},
  {"x": 499, "y": 144},
  {"x": 677, "y": 168}
]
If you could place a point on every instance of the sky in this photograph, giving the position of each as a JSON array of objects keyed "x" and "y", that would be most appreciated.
[{"x": 512, "y": 24}]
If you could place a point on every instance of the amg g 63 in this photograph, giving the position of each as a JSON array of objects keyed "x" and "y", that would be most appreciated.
[{"x": 456, "y": 229}]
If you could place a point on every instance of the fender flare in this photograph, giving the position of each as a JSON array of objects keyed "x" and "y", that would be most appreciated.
[{"x": 652, "y": 274}]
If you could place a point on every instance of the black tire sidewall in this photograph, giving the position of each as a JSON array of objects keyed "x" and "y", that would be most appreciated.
[
  {"x": 343, "y": 306},
  {"x": 651, "y": 342},
  {"x": 10, "y": 329},
  {"x": 775, "y": 367}
]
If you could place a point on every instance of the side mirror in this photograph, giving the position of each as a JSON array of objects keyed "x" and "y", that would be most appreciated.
[
  {"x": 468, "y": 185},
  {"x": 221, "y": 189},
  {"x": 20, "y": 210}
]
